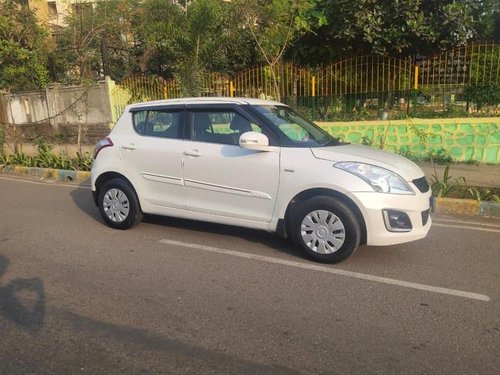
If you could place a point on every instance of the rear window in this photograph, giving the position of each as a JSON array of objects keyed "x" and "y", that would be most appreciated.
[{"x": 158, "y": 123}]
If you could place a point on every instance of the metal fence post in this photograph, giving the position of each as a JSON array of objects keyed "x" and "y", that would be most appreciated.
[
  {"x": 231, "y": 89},
  {"x": 415, "y": 88},
  {"x": 313, "y": 94}
]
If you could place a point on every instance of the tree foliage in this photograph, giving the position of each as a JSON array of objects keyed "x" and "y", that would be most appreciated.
[
  {"x": 186, "y": 43},
  {"x": 23, "y": 48},
  {"x": 159, "y": 37},
  {"x": 186, "y": 39},
  {"x": 395, "y": 27},
  {"x": 95, "y": 42},
  {"x": 273, "y": 25}
]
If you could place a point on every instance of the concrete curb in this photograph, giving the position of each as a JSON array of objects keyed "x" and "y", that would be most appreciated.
[
  {"x": 62, "y": 175},
  {"x": 445, "y": 206},
  {"x": 465, "y": 207}
]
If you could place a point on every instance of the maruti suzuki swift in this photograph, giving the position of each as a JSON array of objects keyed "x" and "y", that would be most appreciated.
[{"x": 257, "y": 164}]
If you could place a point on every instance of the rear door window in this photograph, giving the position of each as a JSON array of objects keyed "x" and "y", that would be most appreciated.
[{"x": 159, "y": 123}]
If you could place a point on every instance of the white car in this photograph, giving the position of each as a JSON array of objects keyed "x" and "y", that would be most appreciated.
[{"x": 257, "y": 164}]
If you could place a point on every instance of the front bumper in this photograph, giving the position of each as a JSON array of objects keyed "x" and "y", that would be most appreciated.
[{"x": 372, "y": 205}]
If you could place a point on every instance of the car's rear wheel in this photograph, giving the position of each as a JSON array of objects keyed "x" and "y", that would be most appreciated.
[
  {"x": 325, "y": 229},
  {"x": 119, "y": 205}
]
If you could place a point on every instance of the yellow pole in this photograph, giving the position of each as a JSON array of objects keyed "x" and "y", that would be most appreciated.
[
  {"x": 415, "y": 85},
  {"x": 313, "y": 94},
  {"x": 231, "y": 89}
]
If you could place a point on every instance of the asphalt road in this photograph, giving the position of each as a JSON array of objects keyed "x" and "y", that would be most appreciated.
[{"x": 176, "y": 296}]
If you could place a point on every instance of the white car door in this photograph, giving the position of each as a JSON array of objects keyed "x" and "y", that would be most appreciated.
[
  {"x": 152, "y": 156},
  {"x": 220, "y": 177}
]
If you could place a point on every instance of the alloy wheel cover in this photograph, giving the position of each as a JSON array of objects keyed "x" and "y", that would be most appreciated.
[
  {"x": 323, "y": 232},
  {"x": 116, "y": 205}
]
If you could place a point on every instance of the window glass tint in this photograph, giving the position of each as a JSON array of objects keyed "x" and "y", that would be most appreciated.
[
  {"x": 140, "y": 122},
  {"x": 163, "y": 124},
  {"x": 220, "y": 127},
  {"x": 298, "y": 131}
]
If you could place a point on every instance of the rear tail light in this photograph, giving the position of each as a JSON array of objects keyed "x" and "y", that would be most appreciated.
[{"x": 103, "y": 143}]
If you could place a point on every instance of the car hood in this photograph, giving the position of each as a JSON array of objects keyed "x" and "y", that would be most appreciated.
[{"x": 364, "y": 154}]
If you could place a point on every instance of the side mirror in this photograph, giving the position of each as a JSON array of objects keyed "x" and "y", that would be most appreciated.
[{"x": 254, "y": 141}]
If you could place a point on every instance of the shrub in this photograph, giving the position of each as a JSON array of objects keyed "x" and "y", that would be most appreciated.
[
  {"x": 46, "y": 158},
  {"x": 446, "y": 186}
]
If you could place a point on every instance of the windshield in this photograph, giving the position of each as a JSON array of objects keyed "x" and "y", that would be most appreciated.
[{"x": 297, "y": 131}]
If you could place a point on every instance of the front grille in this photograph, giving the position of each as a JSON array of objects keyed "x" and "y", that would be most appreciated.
[
  {"x": 425, "y": 216},
  {"x": 421, "y": 184}
]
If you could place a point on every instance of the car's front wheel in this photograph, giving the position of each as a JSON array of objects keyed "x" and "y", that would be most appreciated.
[
  {"x": 326, "y": 229},
  {"x": 118, "y": 204}
]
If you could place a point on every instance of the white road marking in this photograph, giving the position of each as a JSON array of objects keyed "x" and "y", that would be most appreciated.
[
  {"x": 47, "y": 182},
  {"x": 335, "y": 271},
  {"x": 465, "y": 227},
  {"x": 479, "y": 223}
]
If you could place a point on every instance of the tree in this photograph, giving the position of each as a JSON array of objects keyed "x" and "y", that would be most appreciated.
[
  {"x": 200, "y": 44},
  {"x": 273, "y": 25},
  {"x": 395, "y": 27},
  {"x": 155, "y": 29},
  {"x": 23, "y": 49},
  {"x": 94, "y": 43},
  {"x": 186, "y": 42},
  {"x": 153, "y": 37}
]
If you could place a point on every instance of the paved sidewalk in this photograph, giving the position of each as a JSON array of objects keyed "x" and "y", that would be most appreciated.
[{"x": 481, "y": 175}]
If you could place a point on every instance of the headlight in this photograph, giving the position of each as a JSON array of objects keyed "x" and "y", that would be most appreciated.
[{"x": 380, "y": 179}]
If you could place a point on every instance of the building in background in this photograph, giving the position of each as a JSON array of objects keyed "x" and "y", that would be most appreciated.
[{"x": 53, "y": 13}]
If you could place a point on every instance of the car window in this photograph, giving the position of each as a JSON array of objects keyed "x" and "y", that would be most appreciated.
[
  {"x": 297, "y": 131},
  {"x": 220, "y": 126},
  {"x": 159, "y": 123}
]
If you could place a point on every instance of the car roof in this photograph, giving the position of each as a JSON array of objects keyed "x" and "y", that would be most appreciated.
[{"x": 207, "y": 100}]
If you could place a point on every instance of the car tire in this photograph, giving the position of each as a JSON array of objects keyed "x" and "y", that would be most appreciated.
[
  {"x": 118, "y": 204},
  {"x": 325, "y": 229}
]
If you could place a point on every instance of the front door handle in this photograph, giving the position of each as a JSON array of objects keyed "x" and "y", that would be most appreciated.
[
  {"x": 129, "y": 147},
  {"x": 194, "y": 153}
]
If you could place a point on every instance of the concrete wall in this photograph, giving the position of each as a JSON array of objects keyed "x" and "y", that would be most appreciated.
[
  {"x": 464, "y": 139},
  {"x": 58, "y": 112}
]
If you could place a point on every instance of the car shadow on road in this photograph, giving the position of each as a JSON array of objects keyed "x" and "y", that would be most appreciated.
[
  {"x": 270, "y": 240},
  {"x": 22, "y": 301},
  {"x": 189, "y": 356},
  {"x": 82, "y": 197}
]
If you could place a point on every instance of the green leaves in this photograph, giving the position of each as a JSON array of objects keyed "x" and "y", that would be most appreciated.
[
  {"x": 47, "y": 158},
  {"x": 22, "y": 49},
  {"x": 446, "y": 185},
  {"x": 403, "y": 27},
  {"x": 185, "y": 39}
]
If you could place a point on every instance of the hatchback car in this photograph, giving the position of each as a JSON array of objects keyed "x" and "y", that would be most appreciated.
[{"x": 257, "y": 164}]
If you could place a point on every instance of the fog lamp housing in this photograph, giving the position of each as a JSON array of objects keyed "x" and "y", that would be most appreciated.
[{"x": 396, "y": 221}]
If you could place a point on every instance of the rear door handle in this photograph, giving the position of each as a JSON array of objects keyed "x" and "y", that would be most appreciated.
[
  {"x": 129, "y": 147},
  {"x": 194, "y": 153}
]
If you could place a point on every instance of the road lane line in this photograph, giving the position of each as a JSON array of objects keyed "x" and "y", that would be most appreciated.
[
  {"x": 335, "y": 271},
  {"x": 465, "y": 227},
  {"x": 48, "y": 183},
  {"x": 478, "y": 223}
]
